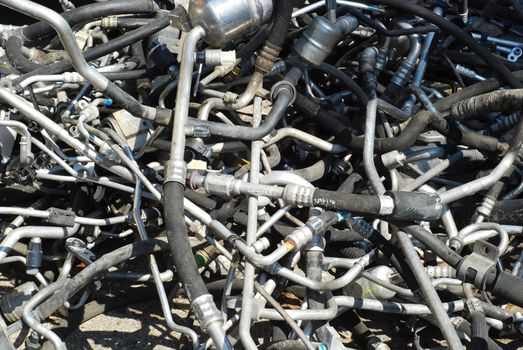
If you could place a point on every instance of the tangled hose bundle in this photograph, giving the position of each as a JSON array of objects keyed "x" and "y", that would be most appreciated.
[{"x": 315, "y": 167}]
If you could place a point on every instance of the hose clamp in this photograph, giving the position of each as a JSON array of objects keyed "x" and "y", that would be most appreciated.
[
  {"x": 386, "y": 205},
  {"x": 175, "y": 171},
  {"x": 479, "y": 266}
]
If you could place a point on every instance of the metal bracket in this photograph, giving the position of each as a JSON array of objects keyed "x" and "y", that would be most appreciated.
[
  {"x": 79, "y": 249},
  {"x": 478, "y": 265}
]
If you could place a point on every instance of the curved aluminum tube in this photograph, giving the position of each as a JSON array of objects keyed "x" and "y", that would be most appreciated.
[
  {"x": 481, "y": 231},
  {"x": 431, "y": 297},
  {"x": 337, "y": 283},
  {"x": 415, "y": 45},
  {"x": 368, "y": 148},
  {"x": 55, "y": 129},
  {"x": 242, "y": 100},
  {"x": 394, "y": 307},
  {"x": 317, "y": 142},
  {"x": 472, "y": 187},
  {"x": 33, "y": 323},
  {"x": 318, "y": 4},
  {"x": 250, "y": 236},
  {"x": 45, "y": 232},
  {"x": 329, "y": 313},
  {"x": 25, "y": 142},
  {"x": 65, "y": 34},
  {"x": 183, "y": 94},
  {"x": 283, "y": 178}
]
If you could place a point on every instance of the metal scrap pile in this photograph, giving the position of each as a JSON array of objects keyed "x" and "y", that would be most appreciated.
[{"x": 311, "y": 167}]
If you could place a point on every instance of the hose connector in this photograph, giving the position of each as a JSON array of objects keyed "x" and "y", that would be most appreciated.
[{"x": 206, "y": 311}]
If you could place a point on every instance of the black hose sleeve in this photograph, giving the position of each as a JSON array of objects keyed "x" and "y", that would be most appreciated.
[
  {"x": 479, "y": 331},
  {"x": 495, "y": 101},
  {"x": 316, "y": 171},
  {"x": 176, "y": 232},
  {"x": 352, "y": 252},
  {"x": 244, "y": 132},
  {"x": 95, "y": 270},
  {"x": 200, "y": 199},
  {"x": 391, "y": 252},
  {"x": 91, "y": 12},
  {"x": 280, "y": 26},
  {"x": 127, "y": 102},
  {"x": 508, "y": 212},
  {"x": 132, "y": 23},
  {"x": 465, "y": 327},
  {"x": 360, "y": 329},
  {"x": 505, "y": 74},
  {"x": 508, "y": 287},
  {"x": 103, "y": 49},
  {"x": 433, "y": 243},
  {"x": 13, "y": 51},
  {"x": 355, "y": 203},
  {"x": 335, "y": 235}
]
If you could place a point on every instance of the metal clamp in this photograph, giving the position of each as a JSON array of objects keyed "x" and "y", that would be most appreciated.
[
  {"x": 479, "y": 265},
  {"x": 515, "y": 54},
  {"x": 79, "y": 249}
]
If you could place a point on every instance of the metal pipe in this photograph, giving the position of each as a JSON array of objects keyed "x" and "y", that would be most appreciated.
[
  {"x": 368, "y": 148},
  {"x": 431, "y": 297}
]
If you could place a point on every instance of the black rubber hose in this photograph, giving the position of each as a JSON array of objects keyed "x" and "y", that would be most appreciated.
[
  {"x": 176, "y": 232},
  {"x": 103, "y": 49},
  {"x": 508, "y": 212},
  {"x": 13, "y": 51},
  {"x": 283, "y": 98},
  {"x": 96, "y": 270},
  {"x": 200, "y": 199},
  {"x": 409, "y": 135},
  {"x": 280, "y": 25},
  {"x": 346, "y": 80},
  {"x": 334, "y": 235},
  {"x": 132, "y": 23},
  {"x": 352, "y": 252},
  {"x": 496, "y": 64},
  {"x": 465, "y": 327},
  {"x": 317, "y": 170},
  {"x": 354, "y": 203},
  {"x": 508, "y": 287},
  {"x": 91, "y": 12},
  {"x": 495, "y": 101},
  {"x": 433, "y": 243},
  {"x": 390, "y": 251},
  {"x": 479, "y": 331}
]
